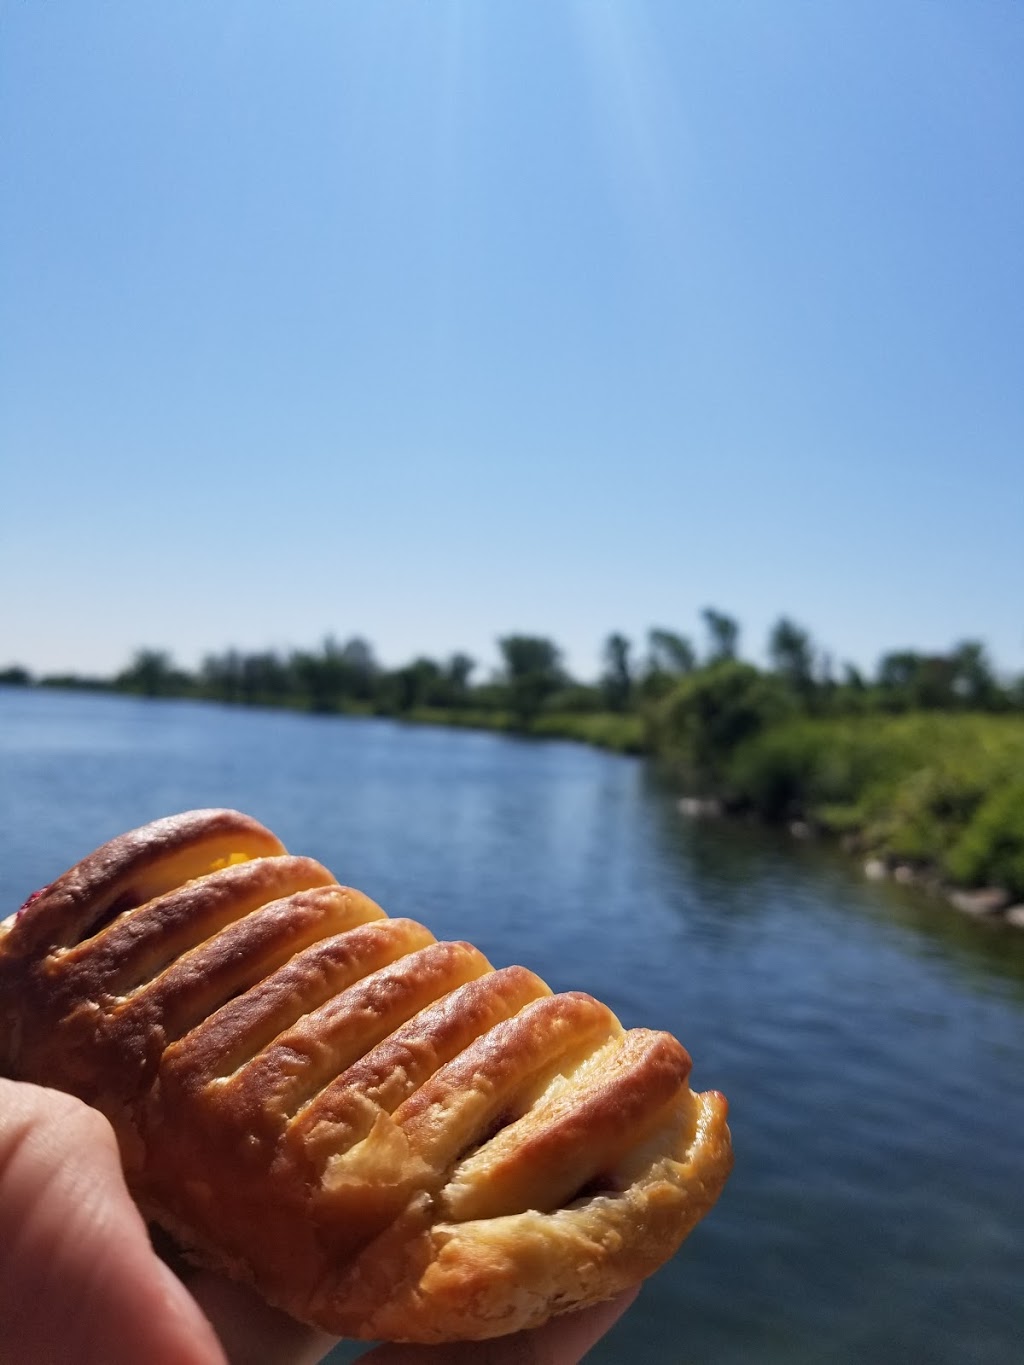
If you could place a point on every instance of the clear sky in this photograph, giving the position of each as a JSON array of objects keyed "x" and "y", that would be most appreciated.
[{"x": 431, "y": 320}]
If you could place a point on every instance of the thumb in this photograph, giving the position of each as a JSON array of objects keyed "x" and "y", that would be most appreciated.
[{"x": 78, "y": 1277}]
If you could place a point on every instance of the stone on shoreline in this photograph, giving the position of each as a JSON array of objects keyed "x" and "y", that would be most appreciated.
[
  {"x": 699, "y": 807},
  {"x": 990, "y": 900},
  {"x": 875, "y": 870}
]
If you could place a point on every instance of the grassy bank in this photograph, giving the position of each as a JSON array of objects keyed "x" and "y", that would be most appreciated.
[
  {"x": 930, "y": 791},
  {"x": 621, "y": 733}
]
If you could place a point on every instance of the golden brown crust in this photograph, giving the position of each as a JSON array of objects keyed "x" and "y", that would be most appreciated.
[
  {"x": 339, "y": 1116},
  {"x": 573, "y": 1134},
  {"x": 385, "y": 1135},
  {"x": 509, "y": 1273},
  {"x": 134, "y": 868}
]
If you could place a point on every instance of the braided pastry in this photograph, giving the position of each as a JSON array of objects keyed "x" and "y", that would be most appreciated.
[{"x": 384, "y": 1135}]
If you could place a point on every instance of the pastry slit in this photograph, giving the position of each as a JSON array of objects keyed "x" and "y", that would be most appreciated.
[
  {"x": 235, "y": 961},
  {"x": 133, "y": 951},
  {"x": 127, "y": 900},
  {"x": 501, "y": 1073},
  {"x": 304, "y": 1059},
  {"x": 345, "y": 1110},
  {"x": 579, "y": 1127},
  {"x": 232, "y": 1037}
]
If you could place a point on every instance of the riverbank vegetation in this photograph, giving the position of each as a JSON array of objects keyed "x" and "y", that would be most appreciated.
[{"x": 920, "y": 765}]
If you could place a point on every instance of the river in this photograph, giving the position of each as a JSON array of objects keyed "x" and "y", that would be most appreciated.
[{"x": 870, "y": 1041}]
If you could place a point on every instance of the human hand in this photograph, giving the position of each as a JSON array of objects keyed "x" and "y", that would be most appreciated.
[{"x": 79, "y": 1278}]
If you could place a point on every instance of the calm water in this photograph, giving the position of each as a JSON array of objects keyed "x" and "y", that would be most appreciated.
[{"x": 871, "y": 1043}]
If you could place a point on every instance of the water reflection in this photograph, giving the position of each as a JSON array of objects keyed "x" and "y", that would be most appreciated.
[{"x": 737, "y": 863}]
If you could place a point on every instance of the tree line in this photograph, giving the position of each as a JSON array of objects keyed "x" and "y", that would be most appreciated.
[{"x": 532, "y": 680}]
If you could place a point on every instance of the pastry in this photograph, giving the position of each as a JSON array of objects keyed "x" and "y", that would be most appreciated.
[{"x": 383, "y": 1134}]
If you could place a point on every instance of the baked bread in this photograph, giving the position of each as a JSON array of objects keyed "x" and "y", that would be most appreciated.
[{"x": 384, "y": 1135}]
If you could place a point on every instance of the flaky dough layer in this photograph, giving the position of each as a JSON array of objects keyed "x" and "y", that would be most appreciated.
[{"x": 383, "y": 1134}]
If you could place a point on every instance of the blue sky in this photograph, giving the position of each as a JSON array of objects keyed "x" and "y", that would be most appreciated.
[{"x": 434, "y": 321}]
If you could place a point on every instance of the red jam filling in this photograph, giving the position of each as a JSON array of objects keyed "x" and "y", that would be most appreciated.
[{"x": 34, "y": 897}]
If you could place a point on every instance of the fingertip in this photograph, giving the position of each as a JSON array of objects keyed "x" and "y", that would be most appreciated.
[
  {"x": 569, "y": 1338},
  {"x": 185, "y": 1326},
  {"x": 250, "y": 1330}
]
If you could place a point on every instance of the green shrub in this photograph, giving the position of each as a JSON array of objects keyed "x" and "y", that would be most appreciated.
[
  {"x": 991, "y": 848},
  {"x": 805, "y": 766},
  {"x": 919, "y": 818},
  {"x": 936, "y": 790},
  {"x": 708, "y": 715}
]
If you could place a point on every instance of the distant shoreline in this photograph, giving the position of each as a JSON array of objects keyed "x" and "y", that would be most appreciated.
[
  {"x": 616, "y": 732},
  {"x": 929, "y": 798}
]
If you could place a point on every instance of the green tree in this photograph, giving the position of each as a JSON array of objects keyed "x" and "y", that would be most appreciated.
[
  {"x": 908, "y": 681},
  {"x": 671, "y": 653},
  {"x": 792, "y": 656},
  {"x": 617, "y": 678},
  {"x": 974, "y": 681},
  {"x": 220, "y": 676},
  {"x": 669, "y": 657},
  {"x": 457, "y": 672},
  {"x": 853, "y": 678},
  {"x": 319, "y": 676},
  {"x": 151, "y": 673},
  {"x": 264, "y": 677},
  {"x": 420, "y": 683},
  {"x": 356, "y": 667},
  {"x": 723, "y": 635},
  {"x": 339, "y": 674},
  {"x": 532, "y": 671},
  {"x": 791, "y": 653},
  {"x": 962, "y": 679}
]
